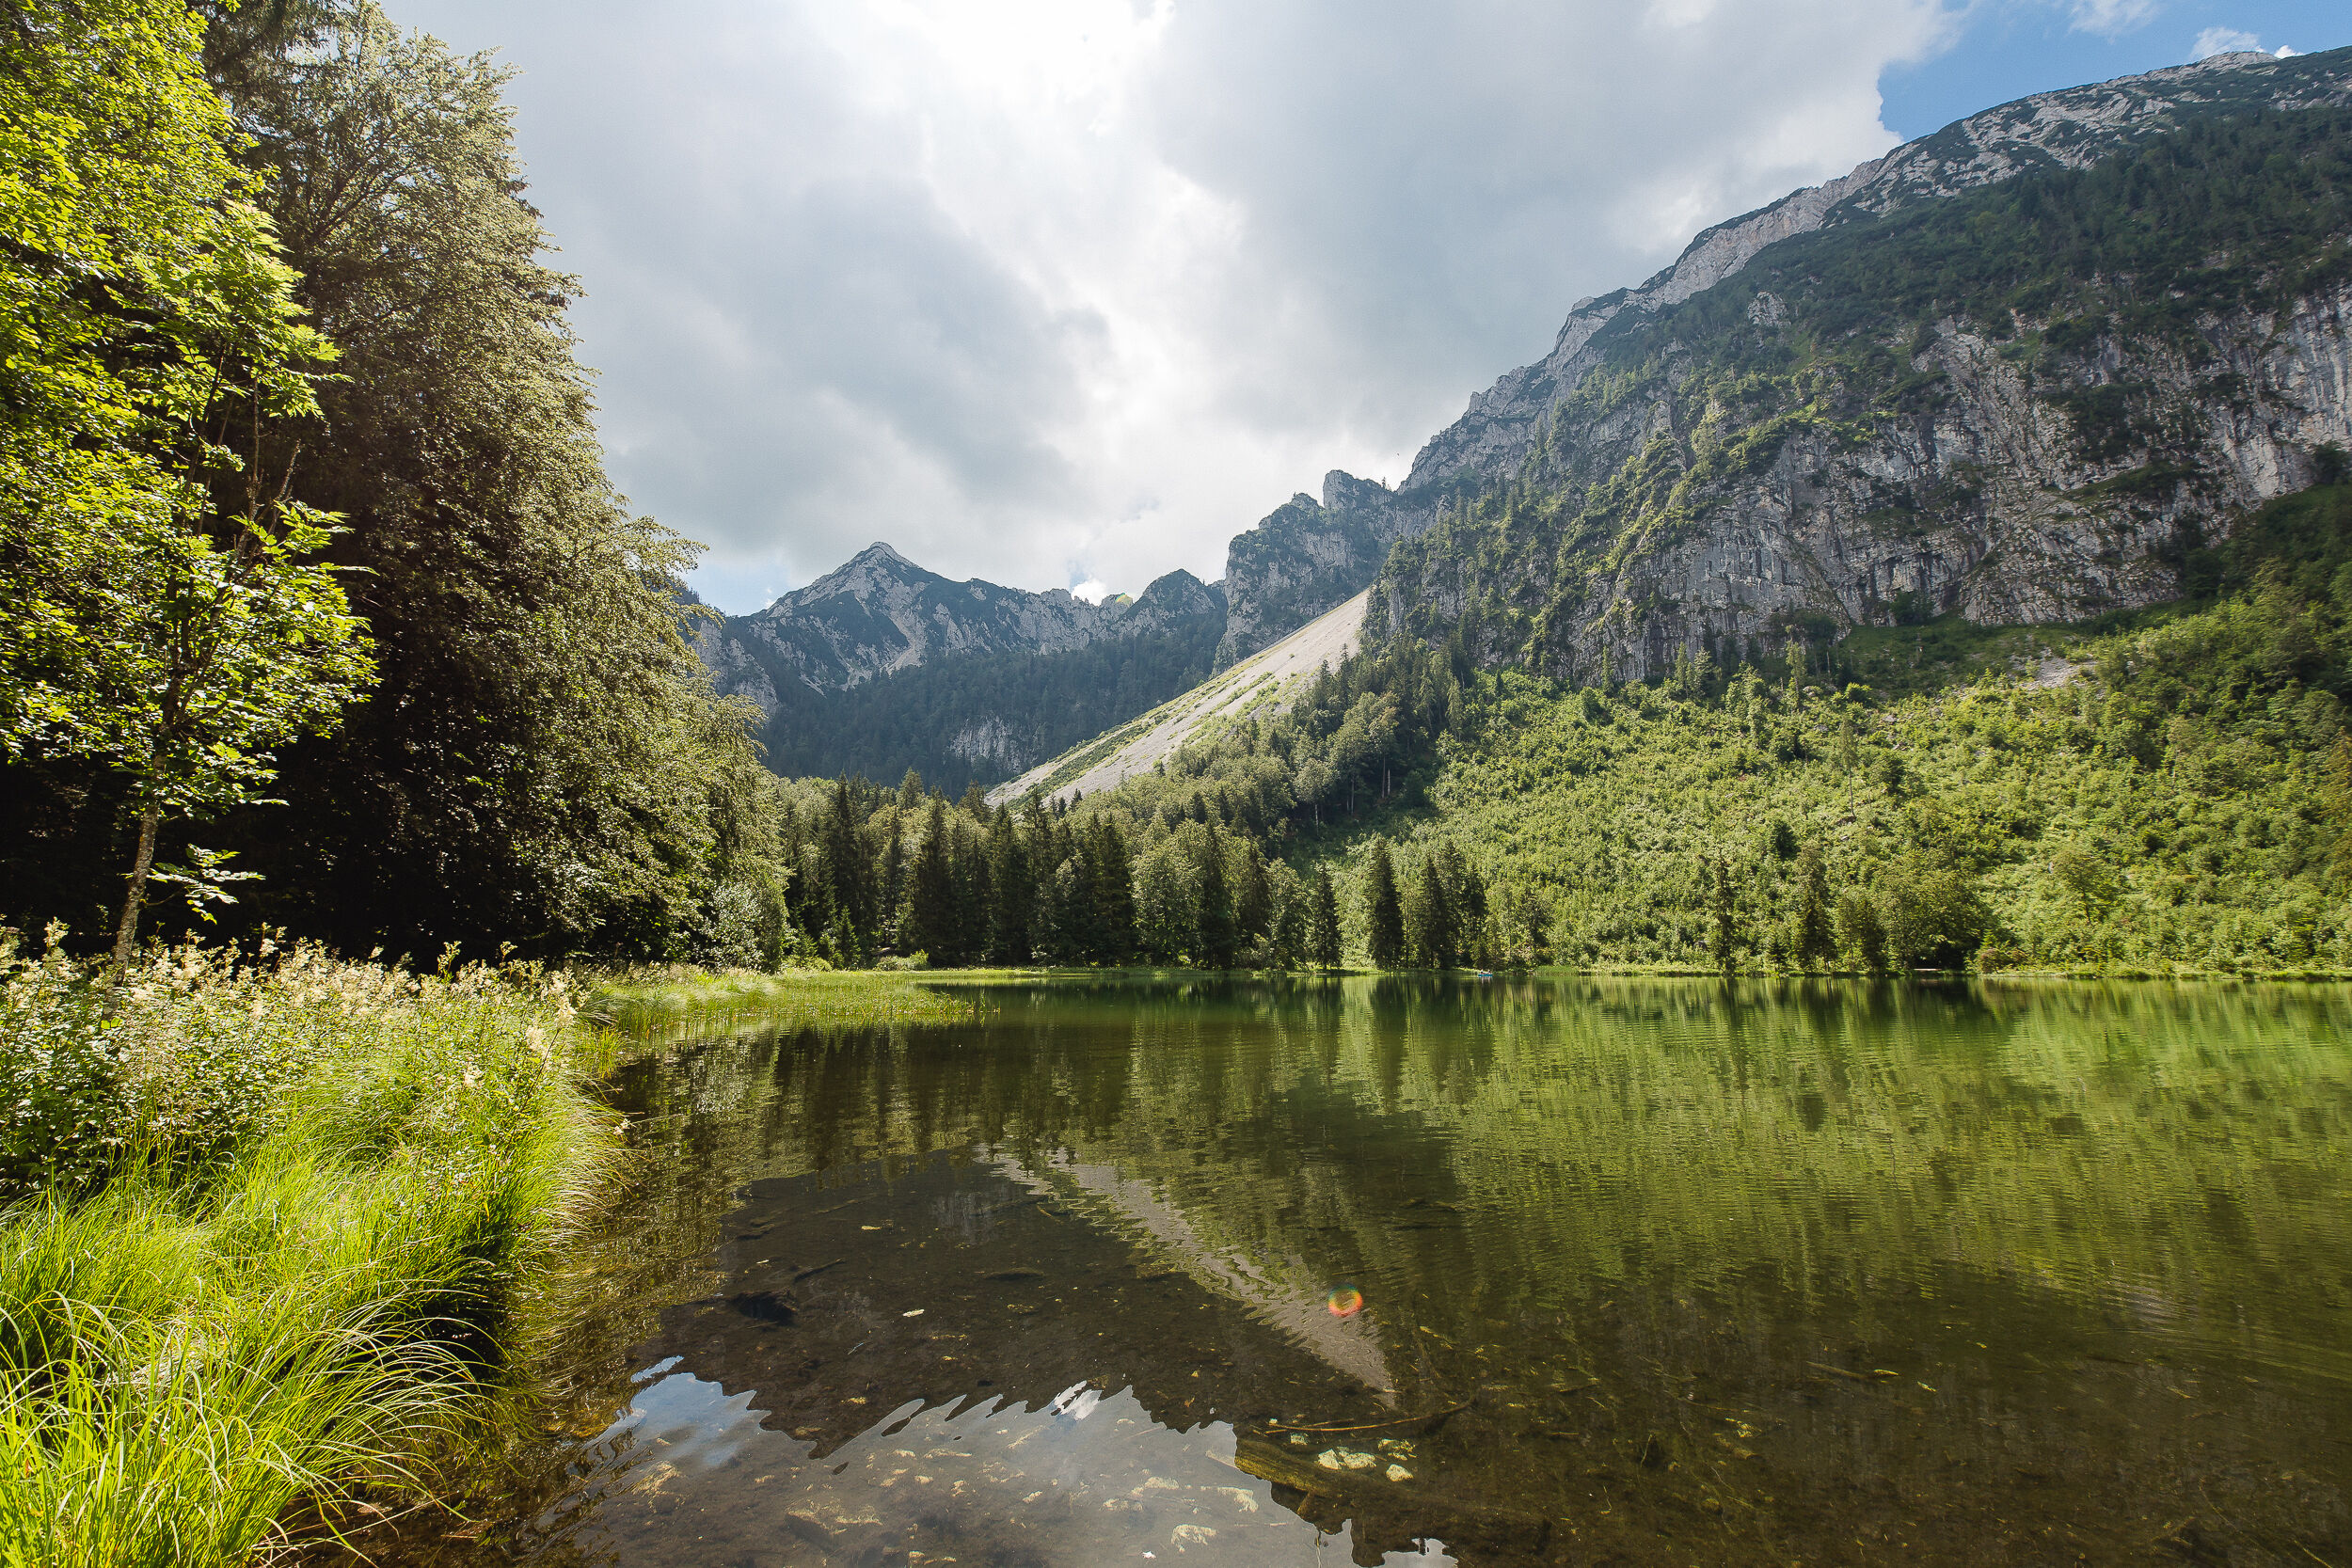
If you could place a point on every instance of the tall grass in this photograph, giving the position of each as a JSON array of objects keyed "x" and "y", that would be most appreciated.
[{"x": 291, "y": 1253}]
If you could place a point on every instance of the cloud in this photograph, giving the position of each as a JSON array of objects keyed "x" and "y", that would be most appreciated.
[
  {"x": 2108, "y": 18},
  {"x": 2221, "y": 41},
  {"x": 1072, "y": 291}
]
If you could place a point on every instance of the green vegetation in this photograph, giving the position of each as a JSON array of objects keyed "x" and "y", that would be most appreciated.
[
  {"x": 667, "y": 998},
  {"x": 167, "y": 621},
  {"x": 2170, "y": 789},
  {"x": 196, "y": 559},
  {"x": 2166, "y": 791},
  {"x": 273, "y": 1230}
]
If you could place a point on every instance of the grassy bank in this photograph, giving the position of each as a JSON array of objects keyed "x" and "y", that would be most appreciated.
[
  {"x": 662, "y": 999},
  {"x": 271, "y": 1226}
]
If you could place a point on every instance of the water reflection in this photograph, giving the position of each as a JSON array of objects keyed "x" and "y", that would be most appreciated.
[{"x": 1671, "y": 1273}]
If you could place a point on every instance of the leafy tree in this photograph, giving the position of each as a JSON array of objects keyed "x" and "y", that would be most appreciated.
[
  {"x": 542, "y": 762},
  {"x": 1384, "y": 916},
  {"x": 164, "y": 616},
  {"x": 1935, "y": 919},
  {"x": 1861, "y": 932},
  {"x": 2083, "y": 873}
]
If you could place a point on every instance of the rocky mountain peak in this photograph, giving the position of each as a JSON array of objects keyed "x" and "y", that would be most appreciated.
[{"x": 2071, "y": 128}]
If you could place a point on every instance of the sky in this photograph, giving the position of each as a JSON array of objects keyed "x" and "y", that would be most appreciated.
[{"x": 1067, "y": 292}]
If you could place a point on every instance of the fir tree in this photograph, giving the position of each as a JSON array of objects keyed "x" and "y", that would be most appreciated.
[
  {"x": 849, "y": 872},
  {"x": 1011, "y": 892},
  {"x": 1114, "y": 893},
  {"x": 1724, "y": 929},
  {"x": 1213, "y": 902},
  {"x": 1253, "y": 897},
  {"x": 1813, "y": 943},
  {"x": 930, "y": 922},
  {"x": 1384, "y": 916},
  {"x": 1287, "y": 939},
  {"x": 1430, "y": 920},
  {"x": 1322, "y": 921}
]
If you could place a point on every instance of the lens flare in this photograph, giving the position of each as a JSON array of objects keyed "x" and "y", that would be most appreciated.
[{"x": 1344, "y": 1301}]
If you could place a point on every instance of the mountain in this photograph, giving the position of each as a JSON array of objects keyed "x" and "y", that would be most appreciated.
[
  {"x": 2015, "y": 370},
  {"x": 880, "y": 666},
  {"x": 1979, "y": 494}
]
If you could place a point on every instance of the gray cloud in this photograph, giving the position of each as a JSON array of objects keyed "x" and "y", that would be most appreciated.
[{"x": 1079, "y": 288}]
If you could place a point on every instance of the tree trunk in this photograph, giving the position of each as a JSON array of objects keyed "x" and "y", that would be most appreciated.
[{"x": 136, "y": 897}]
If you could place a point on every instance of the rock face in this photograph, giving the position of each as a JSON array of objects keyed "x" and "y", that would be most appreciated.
[
  {"x": 1305, "y": 556},
  {"x": 2019, "y": 531},
  {"x": 2070, "y": 128},
  {"x": 1998, "y": 503},
  {"x": 880, "y": 613}
]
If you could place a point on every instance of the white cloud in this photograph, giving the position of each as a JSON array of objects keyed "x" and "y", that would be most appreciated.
[
  {"x": 1081, "y": 287},
  {"x": 2222, "y": 40},
  {"x": 2109, "y": 18},
  {"x": 1091, "y": 592}
]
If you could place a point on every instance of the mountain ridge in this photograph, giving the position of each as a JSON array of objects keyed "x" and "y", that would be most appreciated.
[{"x": 1304, "y": 557}]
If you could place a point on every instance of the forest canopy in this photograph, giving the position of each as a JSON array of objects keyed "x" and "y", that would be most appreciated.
[{"x": 483, "y": 725}]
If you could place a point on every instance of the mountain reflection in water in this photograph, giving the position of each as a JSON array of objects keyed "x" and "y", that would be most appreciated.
[{"x": 1651, "y": 1272}]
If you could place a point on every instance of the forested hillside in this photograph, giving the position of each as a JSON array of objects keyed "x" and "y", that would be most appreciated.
[{"x": 2165, "y": 790}]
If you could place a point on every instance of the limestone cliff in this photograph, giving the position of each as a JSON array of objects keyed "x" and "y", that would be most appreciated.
[{"x": 2041, "y": 485}]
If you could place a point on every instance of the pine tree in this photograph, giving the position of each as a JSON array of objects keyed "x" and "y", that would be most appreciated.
[
  {"x": 931, "y": 923},
  {"x": 1724, "y": 933},
  {"x": 1011, "y": 893},
  {"x": 1253, "y": 895},
  {"x": 1322, "y": 921},
  {"x": 1429, "y": 920},
  {"x": 1114, "y": 893},
  {"x": 1814, "y": 943},
  {"x": 1213, "y": 901},
  {"x": 1384, "y": 917}
]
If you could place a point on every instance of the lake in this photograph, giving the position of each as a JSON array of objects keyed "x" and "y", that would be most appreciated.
[{"x": 1509, "y": 1272}]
